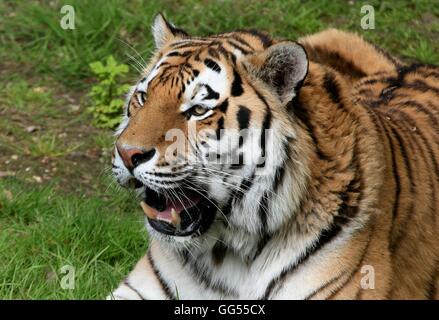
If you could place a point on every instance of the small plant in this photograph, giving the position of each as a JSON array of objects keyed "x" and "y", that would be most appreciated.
[{"x": 106, "y": 103}]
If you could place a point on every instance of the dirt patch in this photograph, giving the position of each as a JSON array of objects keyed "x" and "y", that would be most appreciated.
[{"x": 61, "y": 148}]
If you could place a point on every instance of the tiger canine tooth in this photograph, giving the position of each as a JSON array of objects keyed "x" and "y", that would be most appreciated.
[
  {"x": 175, "y": 217},
  {"x": 148, "y": 211}
]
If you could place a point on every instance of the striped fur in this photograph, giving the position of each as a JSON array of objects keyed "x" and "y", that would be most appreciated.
[{"x": 353, "y": 180}]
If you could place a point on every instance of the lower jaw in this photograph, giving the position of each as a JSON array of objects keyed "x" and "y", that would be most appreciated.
[{"x": 200, "y": 218}]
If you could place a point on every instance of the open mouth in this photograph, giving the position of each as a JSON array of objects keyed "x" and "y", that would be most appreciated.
[{"x": 179, "y": 212}]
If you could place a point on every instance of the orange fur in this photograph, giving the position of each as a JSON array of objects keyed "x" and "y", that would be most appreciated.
[{"x": 367, "y": 131}]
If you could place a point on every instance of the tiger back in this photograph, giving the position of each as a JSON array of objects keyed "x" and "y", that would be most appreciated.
[{"x": 402, "y": 104}]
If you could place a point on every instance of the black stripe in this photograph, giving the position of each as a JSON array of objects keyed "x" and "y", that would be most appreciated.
[
  {"x": 241, "y": 40},
  {"x": 277, "y": 182},
  {"x": 433, "y": 74},
  {"x": 301, "y": 113},
  {"x": 263, "y": 210},
  {"x": 337, "y": 62},
  {"x": 168, "y": 175},
  {"x": 197, "y": 56},
  {"x": 241, "y": 139},
  {"x": 279, "y": 176},
  {"x": 233, "y": 58},
  {"x": 324, "y": 286},
  {"x": 266, "y": 124},
  {"x": 265, "y": 239},
  {"x": 223, "y": 52},
  {"x": 224, "y": 106},
  {"x": 405, "y": 70},
  {"x": 229, "y": 206},
  {"x": 243, "y": 117},
  {"x": 184, "y": 256},
  {"x": 385, "y": 54},
  {"x": 211, "y": 94},
  {"x": 179, "y": 54},
  {"x": 240, "y": 163},
  {"x": 220, "y": 128},
  {"x": 421, "y": 109},
  {"x": 134, "y": 289},
  {"x": 380, "y": 126},
  {"x": 172, "y": 54},
  {"x": 331, "y": 86},
  {"x": 238, "y": 47},
  {"x": 164, "y": 63},
  {"x": 260, "y": 96},
  {"x": 395, "y": 173},
  {"x": 219, "y": 252},
  {"x": 213, "y": 53},
  {"x": 128, "y": 106},
  {"x": 244, "y": 187},
  {"x": 343, "y": 217},
  {"x": 164, "y": 285},
  {"x": 369, "y": 81},
  {"x": 237, "y": 89},
  {"x": 394, "y": 244},
  {"x": 431, "y": 289},
  {"x": 422, "y": 86},
  {"x": 212, "y": 65},
  {"x": 419, "y": 132},
  {"x": 176, "y": 31},
  {"x": 204, "y": 276},
  {"x": 431, "y": 157},
  {"x": 325, "y": 237},
  {"x": 264, "y": 38},
  {"x": 192, "y": 43},
  {"x": 356, "y": 267}
]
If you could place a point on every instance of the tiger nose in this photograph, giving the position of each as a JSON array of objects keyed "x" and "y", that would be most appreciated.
[{"x": 133, "y": 157}]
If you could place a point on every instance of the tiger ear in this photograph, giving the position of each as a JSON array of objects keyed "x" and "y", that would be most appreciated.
[
  {"x": 165, "y": 32},
  {"x": 283, "y": 66}
]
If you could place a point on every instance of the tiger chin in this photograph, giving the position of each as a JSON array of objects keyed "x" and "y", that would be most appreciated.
[{"x": 303, "y": 170}]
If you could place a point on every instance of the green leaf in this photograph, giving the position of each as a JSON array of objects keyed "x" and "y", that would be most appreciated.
[{"x": 106, "y": 96}]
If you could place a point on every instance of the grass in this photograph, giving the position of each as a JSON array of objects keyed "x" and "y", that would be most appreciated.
[
  {"x": 40, "y": 232},
  {"x": 56, "y": 206},
  {"x": 110, "y": 27}
]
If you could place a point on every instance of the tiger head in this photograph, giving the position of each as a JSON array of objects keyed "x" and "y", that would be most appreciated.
[{"x": 206, "y": 121}]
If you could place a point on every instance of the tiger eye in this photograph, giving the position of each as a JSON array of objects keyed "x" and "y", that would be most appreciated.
[
  {"x": 141, "y": 98},
  {"x": 198, "y": 110}
]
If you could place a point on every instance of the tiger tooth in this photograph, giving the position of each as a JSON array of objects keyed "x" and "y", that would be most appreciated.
[
  {"x": 148, "y": 211},
  {"x": 175, "y": 217}
]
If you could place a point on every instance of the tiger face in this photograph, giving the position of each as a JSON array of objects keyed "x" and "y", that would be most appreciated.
[{"x": 206, "y": 120}]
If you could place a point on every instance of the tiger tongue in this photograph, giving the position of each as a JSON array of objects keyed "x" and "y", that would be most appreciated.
[{"x": 171, "y": 214}]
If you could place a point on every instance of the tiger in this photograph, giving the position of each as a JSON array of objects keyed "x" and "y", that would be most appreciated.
[{"x": 333, "y": 188}]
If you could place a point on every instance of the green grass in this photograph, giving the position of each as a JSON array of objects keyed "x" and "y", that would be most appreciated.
[
  {"x": 100, "y": 236},
  {"x": 17, "y": 94},
  {"x": 71, "y": 216},
  {"x": 107, "y": 27}
]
